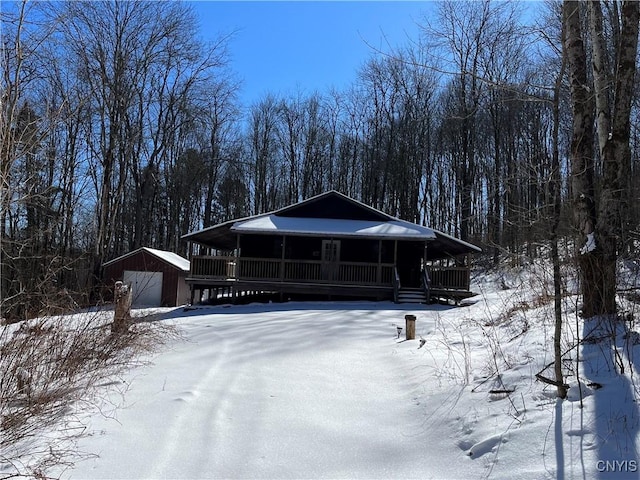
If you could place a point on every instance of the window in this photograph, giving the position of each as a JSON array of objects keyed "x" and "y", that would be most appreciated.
[{"x": 330, "y": 250}]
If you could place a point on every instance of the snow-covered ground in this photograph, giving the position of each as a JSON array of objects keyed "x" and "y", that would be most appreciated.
[{"x": 329, "y": 390}]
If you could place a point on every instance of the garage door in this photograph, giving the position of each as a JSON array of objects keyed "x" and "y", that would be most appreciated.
[{"x": 147, "y": 287}]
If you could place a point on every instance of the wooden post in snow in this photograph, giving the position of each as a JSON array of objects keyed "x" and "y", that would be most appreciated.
[
  {"x": 122, "y": 295},
  {"x": 410, "y": 326},
  {"x": 24, "y": 381}
]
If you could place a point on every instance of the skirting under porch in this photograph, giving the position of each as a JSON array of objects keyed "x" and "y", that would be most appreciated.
[{"x": 233, "y": 291}]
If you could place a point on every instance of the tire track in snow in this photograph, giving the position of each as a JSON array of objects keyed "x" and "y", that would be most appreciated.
[
  {"x": 222, "y": 405},
  {"x": 199, "y": 402}
]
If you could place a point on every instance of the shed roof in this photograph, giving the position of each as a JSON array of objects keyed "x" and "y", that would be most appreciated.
[{"x": 171, "y": 258}]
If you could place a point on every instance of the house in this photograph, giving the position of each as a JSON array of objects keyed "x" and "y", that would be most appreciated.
[
  {"x": 158, "y": 277},
  {"x": 330, "y": 245}
]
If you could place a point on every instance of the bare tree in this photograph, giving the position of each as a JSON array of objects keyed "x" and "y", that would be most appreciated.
[
  {"x": 30, "y": 203},
  {"x": 143, "y": 69},
  {"x": 99, "y": 100},
  {"x": 262, "y": 153},
  {"x": 351, "y": 143},
  {"x": 220, "y": 112},
  {"x": 463, "y": 32}
]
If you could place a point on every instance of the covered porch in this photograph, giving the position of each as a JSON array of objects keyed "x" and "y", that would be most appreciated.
[
  {"x": 328, "y": 245},
  {"x": 378, "y": 269}
]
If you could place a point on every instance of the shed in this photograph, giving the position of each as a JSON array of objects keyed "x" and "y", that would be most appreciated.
[{"x": 156, "y": 276}]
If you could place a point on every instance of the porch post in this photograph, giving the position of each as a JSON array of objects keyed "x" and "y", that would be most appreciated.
[
  {"x": 379, "y": 269},
  {"x": 284, "y": 239},
  {"x": 426, "y": 275},
  {"x": 467, "y": 273},
  {"x": 237, "y": 269},
  {"x": 395, "y": 253}
]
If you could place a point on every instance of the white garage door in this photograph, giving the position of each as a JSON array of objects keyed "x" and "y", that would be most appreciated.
[{"x": 147, "y": 287}]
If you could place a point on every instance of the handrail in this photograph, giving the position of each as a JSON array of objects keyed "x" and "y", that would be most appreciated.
[
  {"x": 396, "y": 284},
  {"x": 426, "y": 285}
]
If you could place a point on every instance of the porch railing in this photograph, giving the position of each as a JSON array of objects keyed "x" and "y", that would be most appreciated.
[
  {"x": 213, "y": 267},
  {"x": 302, "y": 270},
  {"x": 258, "y": 269},
  {"x": 453, "y": 278},
  {"x": 287, "y": 270},
  {"x": 244, "y": 268}
]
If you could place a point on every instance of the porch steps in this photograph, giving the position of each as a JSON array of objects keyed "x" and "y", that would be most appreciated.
[{"x": 411, "y": 295}]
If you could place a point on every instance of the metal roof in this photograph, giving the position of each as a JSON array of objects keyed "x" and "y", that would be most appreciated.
[{"x": 330, "y": 214}]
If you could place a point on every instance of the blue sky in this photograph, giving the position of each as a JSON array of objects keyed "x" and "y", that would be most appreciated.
[{"x": 285, "y": 47}]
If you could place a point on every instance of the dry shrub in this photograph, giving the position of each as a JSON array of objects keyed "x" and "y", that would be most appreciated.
[{"x": 51, "y": 366}]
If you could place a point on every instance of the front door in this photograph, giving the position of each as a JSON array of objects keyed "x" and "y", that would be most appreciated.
[
  {"x": 330, "y": 259},
  {"x": 409, "y": 263}
]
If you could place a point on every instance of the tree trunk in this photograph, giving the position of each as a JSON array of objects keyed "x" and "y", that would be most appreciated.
[
  {"x": 582, "y": 176},
  {"x": 614, "y": 146},
  {"x": 600, "y": 226},
  {"x": 555, "y": 187},
  {"x": 123, "y": 295}
]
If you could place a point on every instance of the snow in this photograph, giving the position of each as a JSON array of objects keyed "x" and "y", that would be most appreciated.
[
  {"x": 329, "y": 390},
  {"x": 590, "y": 246},
  {"x": 171, "y": 258},
  {"x": 329, "y": 226}
]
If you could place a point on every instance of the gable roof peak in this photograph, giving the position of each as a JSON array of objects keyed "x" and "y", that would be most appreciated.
[
  {"x": 333, "y": 204},
  {"x": 171, "y": 258}
]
